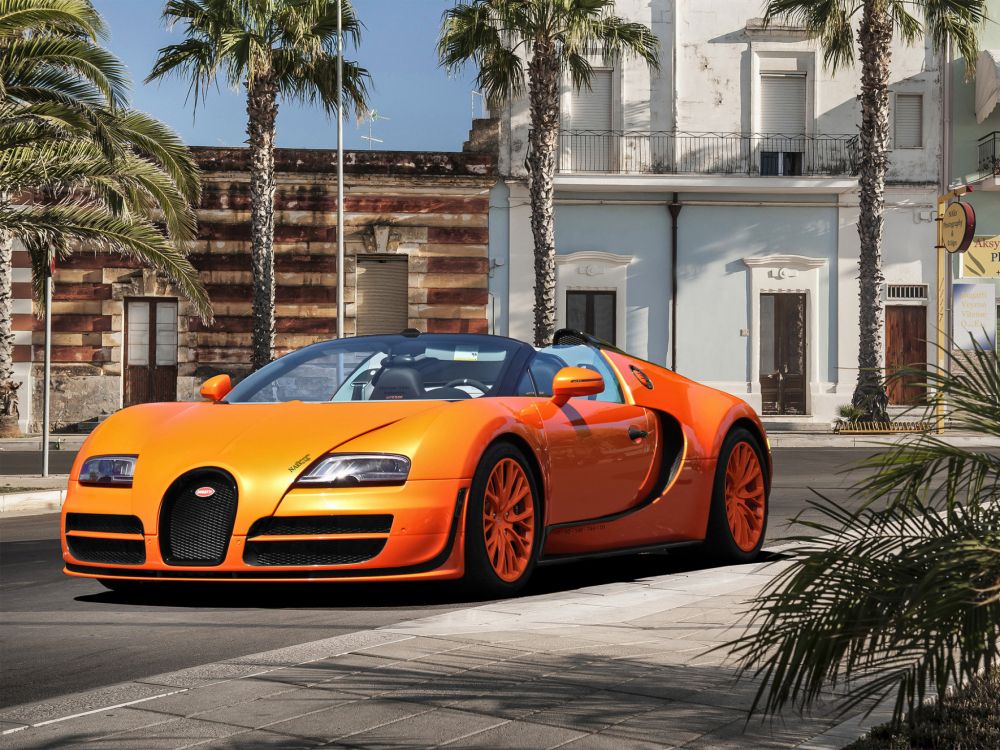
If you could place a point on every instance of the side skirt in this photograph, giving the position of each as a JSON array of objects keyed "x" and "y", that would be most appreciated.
[{"x": 558, "y": 559}]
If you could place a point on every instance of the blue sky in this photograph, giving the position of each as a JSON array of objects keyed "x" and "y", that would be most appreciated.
[{"x": 427, "y": 109}]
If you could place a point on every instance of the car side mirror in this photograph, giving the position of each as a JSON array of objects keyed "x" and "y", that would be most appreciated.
[
  {"x": 215, "y": 389},
  {"x": 571, "y": 382}
]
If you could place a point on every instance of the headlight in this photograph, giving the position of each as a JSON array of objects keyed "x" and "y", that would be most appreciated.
[
  {"x": 108, "y": 471},
  {"x": 356, "y": 470}
]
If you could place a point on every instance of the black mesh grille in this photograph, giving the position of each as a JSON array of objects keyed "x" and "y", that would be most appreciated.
[
  {"x": 323, "y": 552},
  {"x": 195, "y": 530},
  {"x": 109, "y": 551},
  {"x": 567, "y": 337},
  {"x": 104, "y": 522},
  {"x": 316, "y": 525}
]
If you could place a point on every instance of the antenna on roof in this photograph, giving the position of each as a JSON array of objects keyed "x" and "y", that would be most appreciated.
[{"x": 372, "y": 116}]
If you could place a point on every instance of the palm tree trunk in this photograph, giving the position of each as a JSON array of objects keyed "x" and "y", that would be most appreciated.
[
  {"x": 875, "y": 45},
  {"x": 262, "y": 112},
  {"x": 8, "y": 388},
  {"x": 543, "y": 95}
]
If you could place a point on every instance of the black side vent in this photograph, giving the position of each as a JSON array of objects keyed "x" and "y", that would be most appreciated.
[
  {"x": 196, "y": 519},
  {"x": 320, "y": 525},
  {"x": 107, "y": 551},
  {"x": 319, "y": 552},
  {"x": 103, "y": 522}
]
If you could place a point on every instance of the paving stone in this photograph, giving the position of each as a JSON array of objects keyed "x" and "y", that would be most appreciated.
[
  {"x": 673, "y": 723},
  {"x": 595, "y": 710},
  {"x": 348, "y": 719},
  {"x": 608, "y": 742},
  {"x": 216, "y": 696},
  {"x": 412, "y": 648},
  {"x": 516, "y": 701},
  {"x": 168, "y": 735},
  {"x": 517, "y": 735},
  {"x": 426, "y": 730},
  {"x": 85, "y": 728},
  {"x": 289, "y": 705},
  {"x": 259, "y": 739}
]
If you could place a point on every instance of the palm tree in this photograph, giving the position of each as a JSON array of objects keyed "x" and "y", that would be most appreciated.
[
  {"x": 77, "y": 166},
  {"x": 273, "y": 48},
  {"x": 514, "y": 43},
  {"x": 900, "y": 598},
  {"x": 834, "y": 23}
]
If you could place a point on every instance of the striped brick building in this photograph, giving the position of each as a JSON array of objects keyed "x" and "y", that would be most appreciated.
[{"x": 416, "y": 234}]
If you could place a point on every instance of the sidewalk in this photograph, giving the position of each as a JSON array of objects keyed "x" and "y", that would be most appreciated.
[{"x": 621, "y": 665}]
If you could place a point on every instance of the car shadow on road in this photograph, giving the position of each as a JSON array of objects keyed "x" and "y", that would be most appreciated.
[{"x": 350, "y": 595}]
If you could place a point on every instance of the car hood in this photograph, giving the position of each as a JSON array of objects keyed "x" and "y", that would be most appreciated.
[{"x": 264, "y": 446}]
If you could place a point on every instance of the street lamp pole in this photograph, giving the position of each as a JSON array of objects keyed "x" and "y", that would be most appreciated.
[
  {"x": 47, "y": 370},
  {"x": 341, "y": 307}
]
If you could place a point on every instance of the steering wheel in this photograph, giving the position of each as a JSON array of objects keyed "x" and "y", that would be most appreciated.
[{"x": 482, "y": 387}]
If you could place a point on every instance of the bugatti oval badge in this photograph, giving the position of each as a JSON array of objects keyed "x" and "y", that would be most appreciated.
[{"x": 204, "y": 492}]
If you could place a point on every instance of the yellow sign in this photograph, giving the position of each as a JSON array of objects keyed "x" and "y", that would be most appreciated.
[
  {"x": 982, "y": 259},
  {"x": 958, "y": 225}
]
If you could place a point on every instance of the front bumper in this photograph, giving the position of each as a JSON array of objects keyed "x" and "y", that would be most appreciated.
[{"x": 424, "y": 541}]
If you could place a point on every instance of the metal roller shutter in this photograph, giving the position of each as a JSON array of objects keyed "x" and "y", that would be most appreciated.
[
  {"x": 382, "y": 298},
  {"x": 591, "y": 109},
  {"x": 783, "y": 104},
  {"x": 909, "y": 116}
]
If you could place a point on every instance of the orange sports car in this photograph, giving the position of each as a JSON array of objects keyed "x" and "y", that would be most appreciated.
[{"x": 418, "y": 456}]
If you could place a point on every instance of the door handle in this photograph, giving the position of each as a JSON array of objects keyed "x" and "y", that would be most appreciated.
[{"x": 634, "y": 433}]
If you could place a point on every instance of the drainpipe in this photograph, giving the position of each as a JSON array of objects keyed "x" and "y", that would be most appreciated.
[{"x": 675, "y": 211}]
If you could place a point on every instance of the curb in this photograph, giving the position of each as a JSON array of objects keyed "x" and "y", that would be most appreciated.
[{"x": 32, "y": 503}]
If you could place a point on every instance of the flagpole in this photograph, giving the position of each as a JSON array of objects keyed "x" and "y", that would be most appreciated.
[{"x": 341, "y": 307}]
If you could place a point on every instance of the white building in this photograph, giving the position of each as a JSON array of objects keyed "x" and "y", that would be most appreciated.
[{"x": 750, "y": 141}]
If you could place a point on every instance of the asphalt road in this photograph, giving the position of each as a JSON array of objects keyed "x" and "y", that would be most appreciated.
[
  {"x": 61, "y": 635},
  {"x": 30, "y": 462}
]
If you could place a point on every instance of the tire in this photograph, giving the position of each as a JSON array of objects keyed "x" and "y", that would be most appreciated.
[
  {"x": 737, "y": 520},
  {"x": 501, "y": 552}
]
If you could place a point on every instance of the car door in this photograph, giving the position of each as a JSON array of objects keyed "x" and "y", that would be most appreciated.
[{"x": 602, "y": 451}]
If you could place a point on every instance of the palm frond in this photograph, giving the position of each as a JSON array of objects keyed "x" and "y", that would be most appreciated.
[
  {"x": 899, "y": 597},
  {"x": 41, "y": 227},
  {"x": 830, "y": 21}
]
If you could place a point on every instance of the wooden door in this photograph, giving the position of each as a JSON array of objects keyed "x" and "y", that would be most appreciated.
[
  {"x": 905, "y": 347},
  {"x": 150, "y": 350},
  {"x": 783, "y": 347}
]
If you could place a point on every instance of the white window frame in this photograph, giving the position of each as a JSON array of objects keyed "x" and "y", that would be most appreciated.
[
  {"x": 594, "y": 271},
  {"x": 786, "y": 273}
]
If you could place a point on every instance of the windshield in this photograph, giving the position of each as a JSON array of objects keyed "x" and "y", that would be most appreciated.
[{"x": 383, "y": 368}]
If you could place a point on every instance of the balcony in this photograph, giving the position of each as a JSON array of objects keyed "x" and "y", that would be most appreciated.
[
  {"x": 733, "y": 154},
  {"x": 989, "y": 154}
]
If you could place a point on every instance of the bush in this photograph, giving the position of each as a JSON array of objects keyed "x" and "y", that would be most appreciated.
[{"x": 968, "y": 719}]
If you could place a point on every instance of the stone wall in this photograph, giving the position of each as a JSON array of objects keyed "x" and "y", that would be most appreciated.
[{"x": 433, "y": 207}]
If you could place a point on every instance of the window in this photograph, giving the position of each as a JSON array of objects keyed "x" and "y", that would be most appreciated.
[
  {"x": 782, "y": 123},
  {"x": 383, "y": 368},
  {"x": 590, "y": 145},
  {"x": 593, "y": 313},
  {"x": 783, "y": 104},
  {"x": 383, "y": 300},
  {"x": 550, "y": 360},
  {"x": 909, "y": 121}
]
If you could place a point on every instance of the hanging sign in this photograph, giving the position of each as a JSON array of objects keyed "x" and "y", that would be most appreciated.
[
  {"x": 958, "y": 227},
  {"x": 974, "y": 315},
  {"x": 982, "y": 259}
]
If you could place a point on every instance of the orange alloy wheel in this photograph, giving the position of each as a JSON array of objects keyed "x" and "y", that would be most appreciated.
[
  {"x": 745, "y": 497},
  {"x": 508, "y": 520}
]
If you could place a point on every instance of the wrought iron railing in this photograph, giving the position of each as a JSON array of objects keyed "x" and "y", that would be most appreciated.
[
  {"x": 989, "y": 153},
  {"x": 753, "y": 154}
]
